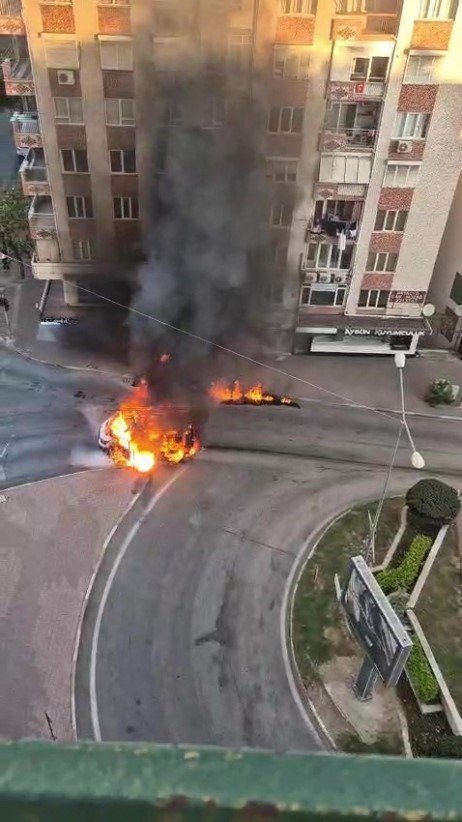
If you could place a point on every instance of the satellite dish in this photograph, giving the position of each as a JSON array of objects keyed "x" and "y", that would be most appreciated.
[{"x": 428, "y": 310}]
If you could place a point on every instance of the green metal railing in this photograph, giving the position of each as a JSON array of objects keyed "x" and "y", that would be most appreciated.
[{"x": 86, "y": 782}]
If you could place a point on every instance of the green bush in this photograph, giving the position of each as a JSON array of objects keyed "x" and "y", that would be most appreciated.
[
  {"x": 440, "y": 392},
  {"x": 449, "y": 747},
  {"x": 434, "y": 501},
  {"x": 405, "y": 574},
  {"x": 420, "y": 673}
]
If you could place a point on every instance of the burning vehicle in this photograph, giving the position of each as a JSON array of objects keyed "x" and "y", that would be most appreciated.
[{"x": 234, "y": 394}]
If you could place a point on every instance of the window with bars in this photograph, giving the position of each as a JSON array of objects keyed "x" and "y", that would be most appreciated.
[
  {"x": 401, "y": 175},
  {"x": 116, "y": 54},
  {"x": 411, "y": 125},
  {"x": 381, "y": 261},
  {"x": 126, "y": 208},
  {"x": 286, "y": 120},
  {"x": 82, "y": 250},
  {"x": 291, "y": 62},
  {"x": 281, "y": 171},
  {"x": 422, "y": 68},
  {"x": 438, "y": 9},
  {"x": 119, "y": 112},
  {"x": 281, "y": 215},
  {"x": 390, "y": 220},
  {"x": 322, "y": 295},
  {"x": 79, "y": 207},
  {"x": 74, "y": 160},
  {"x": 239, "y": 52},
  {"x": 68, "y": 110},
  {"x": 123, "y": 161},
  {"x": 373, "y": 298},
  {"x": 297, "y": 6}
]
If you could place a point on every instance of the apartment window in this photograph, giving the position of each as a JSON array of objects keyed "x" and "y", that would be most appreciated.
[
  {"x": 74, "y": 160},
  {"x": 342, "y": 209},
  {"x": 82, "y": 250},
  {"x": 281, "y": 214},
  {"x": 239, "y": 52},
  {"x": 390, "y": 220},
  {"x": 282, "y": 171},
  {"x": 297, "y": 6},
  {"x": 411, "y": 125},
  {"x": 61, "y": 52},
  {"x": 214, "y": 113},
  {"x": 374, "y": 298},
  {"x": 126, "y": 208},
  {"x": 68, "y": 110},
  {"x": 123, "y": 161},
  {"x": 373, "y": 69},
  {"x": 401, "y": 175},
  {"x": 120, "y": 112},
  {"x": 342, "y": 168},
  {"x": 116, "y": 54},
  {"x": 291, "y": 63},
  {"x": 381, "y": 261},
  {"x": 171, "y": 115},
  {"x": 440, "y": 9},
  {"x": 79, "y": 207},
  {"x": 319, "y": 295},
  {"x": 288, "y": 120},
  {"x": 328, "y": 255},
  {"x": 421, "y": 68}
]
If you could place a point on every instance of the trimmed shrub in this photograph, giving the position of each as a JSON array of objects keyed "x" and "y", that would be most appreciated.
[
  {"x": 420, "y": 673},
  {"x": 440, "y": 392},
  {"x": 434, "y": 501},
  {"x": 405, "y": 574},
  {"x": 449, "y": 747},
  {"x": 398, "y": 600}
]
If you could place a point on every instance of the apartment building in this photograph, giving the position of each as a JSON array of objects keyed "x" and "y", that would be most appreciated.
[{"x": 363, "y": 144}]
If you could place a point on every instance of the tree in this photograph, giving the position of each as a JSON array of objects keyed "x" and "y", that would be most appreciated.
[{"x": 14, "y": 227}]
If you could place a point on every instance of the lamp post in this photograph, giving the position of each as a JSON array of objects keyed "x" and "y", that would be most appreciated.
[{"x": 417, "y": 459}]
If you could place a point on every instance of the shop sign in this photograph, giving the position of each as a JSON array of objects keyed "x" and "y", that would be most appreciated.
[{"x": 379, "y": 332}]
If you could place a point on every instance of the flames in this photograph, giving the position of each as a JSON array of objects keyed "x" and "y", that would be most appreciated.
[{"x": 234, "y": 394}]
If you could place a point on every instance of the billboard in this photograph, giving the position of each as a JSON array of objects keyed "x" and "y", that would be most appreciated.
[{"x": 374, "y": 622}]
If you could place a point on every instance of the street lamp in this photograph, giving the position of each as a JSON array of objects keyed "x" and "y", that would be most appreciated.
[{"x": 417, "y": 459}]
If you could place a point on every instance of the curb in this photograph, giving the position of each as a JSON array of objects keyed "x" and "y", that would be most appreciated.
[{"x": 124, "y": 378}]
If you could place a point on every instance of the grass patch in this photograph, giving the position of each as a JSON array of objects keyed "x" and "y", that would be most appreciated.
[
  {"x": 318, "y": 629},
  {"x": 439, "y": 610}
]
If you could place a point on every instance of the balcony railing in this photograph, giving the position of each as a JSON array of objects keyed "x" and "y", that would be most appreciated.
[
  {"x": 41, "y": 218},
  {"x": 33, "y": 173},
  {"x": 366, "y": 6},
  {"x": 339, "y": 139},
  {"x": 10, "y": 8},
  {"x": 18, "y": 78},
  {"x": 26, "y": 131}
]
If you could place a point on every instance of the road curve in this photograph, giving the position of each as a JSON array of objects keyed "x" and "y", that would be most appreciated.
[{"x": 189, "y": 647}]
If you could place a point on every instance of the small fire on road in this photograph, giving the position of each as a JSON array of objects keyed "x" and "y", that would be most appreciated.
[{"x": 234, "y": 394}]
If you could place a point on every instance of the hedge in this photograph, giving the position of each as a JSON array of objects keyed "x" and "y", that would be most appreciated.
[
  {"x": 420, "y": 673},
  {"x": 434, "y": 501},
  {"x": 405, "y": 574}
]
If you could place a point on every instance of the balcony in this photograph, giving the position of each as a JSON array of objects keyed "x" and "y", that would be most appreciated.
[
  {"x": 18, "y": 78},
  {"x": 371, "y": 19},
  {"x": 355, "y": 90},
  {"x": 11, "y": 21},
  {"x": 327, "y": 260},
  {"x": 350, "y": 125},
  {"x": 26, "y": 131},
  {"x": 33, "y": 173},
  {"x": 41, "y": 218},
  {"x": 341, "y": 139}
]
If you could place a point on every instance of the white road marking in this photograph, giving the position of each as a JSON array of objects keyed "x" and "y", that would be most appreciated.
[{"x": 107, "y": 588}]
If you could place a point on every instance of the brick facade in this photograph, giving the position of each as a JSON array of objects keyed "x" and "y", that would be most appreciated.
[
  {"x": 288, "y": 93},
  {"x": 71, "y": 136},
  {"x": 118, "y": 83},
  {"x": 121, "y": 137},
  {"x": 283, "y": 145},
  {"x": 295, "y": 30},
  {"x": 124, "y": 185},
  {"x": 114, "y": 20},
  {"x": 417, "y": 98},
  {"x": 58, "y": 90},
  {"x": 418, "y": 148},
  {"x": 128, "y": 232},
  {"x": 77, "y": 185},
  {"x": 58, "y": 19},
  {"x": 377, "y": 280},
  {"x": 81, "y": 229},
  {"x": 431, "y": 34},
  {"x": 396, "y": 198},
  {"x": 386, "y": 241}
]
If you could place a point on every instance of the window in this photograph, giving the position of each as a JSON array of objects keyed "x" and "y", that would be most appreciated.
[
  {"x": 328, "y": 255},
  {"x": 239, "y": 52},
  {"x": 373, "y": 69},
  {"x": 68, "y": 109},
  {"x": 319, "y": 295},
  {"x": 411, "y": 125},
  {"x": 401, "y": 175},
  {"x": 343, "y": 209},
  {"x": 123, "y": 161},
  {"x": 421, "y": 68},
  {"x": 297, "y": 6},
  {"x": 390, "y": 220},
  {"x": 456, "y": 290},
  {"x": 373, "y": 299},
  {"x": 79, "y": 207},
  {"x": 61, "y": 52},
  {"x": 171, "y": 115},
  {"x": 214, "y": 113},
  {"x": 442, "y": 9},
  {"x": 126, "y": 208},
  {"x": 120, "y": 112},
  {"x": 291, "y": 63},
  {"x": 281, "y": 171},
  {"x": 82, "y": 250},
  {"x": 116, "y": 54},
  {"x": 287, "y": 120},
  {"x": 364, "y": 6},
  {"x": 74, "y": 160},
  {"x": 281, "y": 214},
  {"x": 342, "y": 168},
  {"x": 381, "y": 261}
]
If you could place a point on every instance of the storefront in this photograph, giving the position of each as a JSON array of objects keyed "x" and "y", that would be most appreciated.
[{"x": 340, "y": 334}]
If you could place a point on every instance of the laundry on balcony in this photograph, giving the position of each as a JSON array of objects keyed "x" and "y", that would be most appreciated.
[{"x": 334, "y": 227}]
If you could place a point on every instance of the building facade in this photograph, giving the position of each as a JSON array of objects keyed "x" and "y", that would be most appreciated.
[{"x": 363, "y": 143}]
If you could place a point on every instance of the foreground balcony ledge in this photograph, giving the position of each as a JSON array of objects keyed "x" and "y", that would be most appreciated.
[
  {"x": 115, "y": 781},
  {"x": 59, "y": 269}
]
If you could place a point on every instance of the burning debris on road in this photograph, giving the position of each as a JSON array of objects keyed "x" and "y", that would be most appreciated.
[{"x": 233, "y": 394}]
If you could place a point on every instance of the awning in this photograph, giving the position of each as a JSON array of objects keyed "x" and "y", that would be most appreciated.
[{"x": 357, "y": 325}]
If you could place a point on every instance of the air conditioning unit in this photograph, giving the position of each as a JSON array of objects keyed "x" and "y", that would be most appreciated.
[
  {"x": 340, "y": 278},
  {"x": 324, "y": 278},
  {"x": 310, "y": 278},
  {"x": 66, "y": 78},
  {"x": 404, "y": 146}
]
